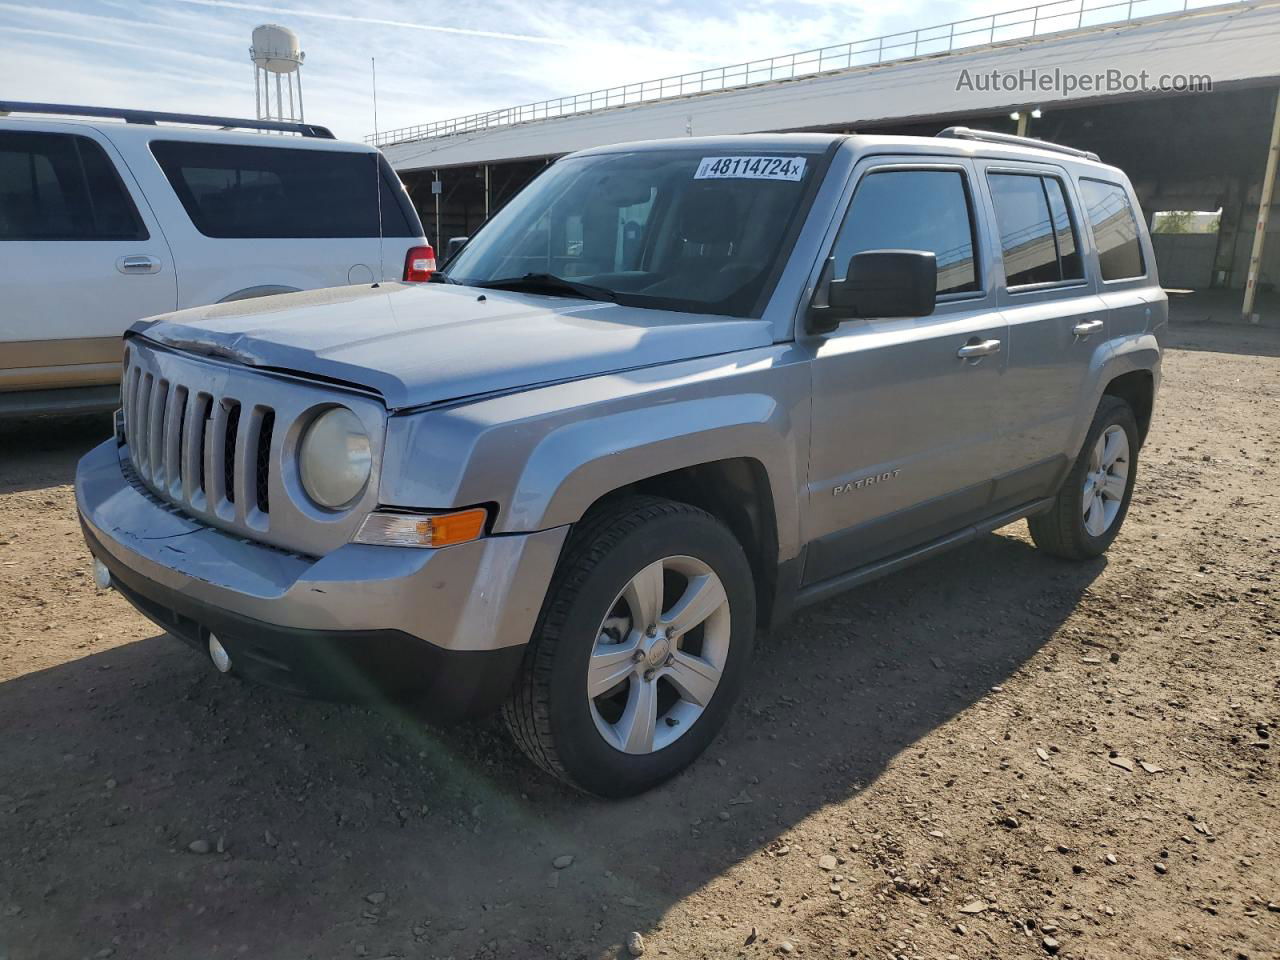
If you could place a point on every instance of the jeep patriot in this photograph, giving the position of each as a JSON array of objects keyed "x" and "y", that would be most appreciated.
[{"x": 670, "y": 392}]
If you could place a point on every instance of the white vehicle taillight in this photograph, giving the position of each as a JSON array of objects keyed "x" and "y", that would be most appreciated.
[{"x": 419, "y": 264}]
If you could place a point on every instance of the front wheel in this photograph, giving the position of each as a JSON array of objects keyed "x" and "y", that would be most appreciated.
[
  {"x": 640, "y": 650},
  {"x": 1094, "y": 499}
]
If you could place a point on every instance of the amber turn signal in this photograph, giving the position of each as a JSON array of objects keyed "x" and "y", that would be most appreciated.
[{"x": 422, "y": 530}]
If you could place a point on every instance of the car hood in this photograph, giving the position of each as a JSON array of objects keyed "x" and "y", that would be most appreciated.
[{"x": 419, "y": 344}]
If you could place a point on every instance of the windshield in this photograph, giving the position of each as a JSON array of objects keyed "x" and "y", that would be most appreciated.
[{"x": 699, "y": 231}]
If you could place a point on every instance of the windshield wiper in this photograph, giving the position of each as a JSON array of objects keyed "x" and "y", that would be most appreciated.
[
  {"x": 548, "y": 283},
  {"x": 439, "y": 277}
]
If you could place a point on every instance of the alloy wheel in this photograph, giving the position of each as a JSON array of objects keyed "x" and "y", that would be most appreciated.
[
  {"x": 1106, "y": 480},
  {"x": 659, "y": 655}
]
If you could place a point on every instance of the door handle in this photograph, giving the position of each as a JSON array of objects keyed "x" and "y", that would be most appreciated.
[
  {"x": 1087, "y": 327},
  {"x": 138, "y": 264},
  {"x": 978, "y": 348}
]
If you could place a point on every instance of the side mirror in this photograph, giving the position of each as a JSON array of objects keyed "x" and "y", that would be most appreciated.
[
  {"x": 880, "y": 283},
  {"x": 453, "y": 245}
]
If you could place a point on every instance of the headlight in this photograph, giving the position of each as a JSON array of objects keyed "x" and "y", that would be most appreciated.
[{"x": 335, "y": 458}]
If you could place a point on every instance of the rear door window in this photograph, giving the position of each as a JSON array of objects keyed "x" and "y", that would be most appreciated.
[
  {"x": 58, "y": 186},
  {"x": 237, "y": 191},
  {"x": 1064, "y": 229},
  {"x": 913, "y": 210},
  {"x": 1115, "y": 229},
  {"x": 1037, "y": 235}
]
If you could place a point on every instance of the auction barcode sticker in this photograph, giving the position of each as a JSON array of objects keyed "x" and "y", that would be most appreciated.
[{"x": 750, "y": 168}]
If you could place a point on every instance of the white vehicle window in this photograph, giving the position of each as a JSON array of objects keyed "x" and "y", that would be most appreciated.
[
  {"x": 57, "y": 186},
  {"x": 237, "y": 191}
]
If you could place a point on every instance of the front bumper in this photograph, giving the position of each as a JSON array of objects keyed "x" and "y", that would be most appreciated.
[{"x": 444, "y": 626}]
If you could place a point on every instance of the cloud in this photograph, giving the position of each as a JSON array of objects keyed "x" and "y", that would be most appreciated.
[
  {"x": 374, "y": 21},
  {"x": 150, "y": 48},
  {"x": 80, "y": 17}
]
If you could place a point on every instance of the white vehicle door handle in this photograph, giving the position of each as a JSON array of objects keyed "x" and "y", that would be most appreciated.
[
  {"x": 1087, "y": 327},
  {"x": 979, "y": 348},
  {"x": 138, "y": 264}
]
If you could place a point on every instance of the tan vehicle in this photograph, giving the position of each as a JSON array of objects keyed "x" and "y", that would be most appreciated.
[{"x": 103, "y": 223}]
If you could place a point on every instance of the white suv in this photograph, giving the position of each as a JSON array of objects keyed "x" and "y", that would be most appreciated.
[{"x": 103, "y": 223}]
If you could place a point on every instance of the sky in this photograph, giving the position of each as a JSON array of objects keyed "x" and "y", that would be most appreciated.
[{"x": 434, "y": 61}]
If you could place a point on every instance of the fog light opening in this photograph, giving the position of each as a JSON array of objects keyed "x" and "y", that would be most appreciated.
[
  {"x": 218, "y": 654},
  {"x": 101, "y": 575}
]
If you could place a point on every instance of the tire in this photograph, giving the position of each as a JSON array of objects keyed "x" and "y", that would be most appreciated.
[
  {"x": 607, "y": 574},
  {"x": 1065, "y": 529}
]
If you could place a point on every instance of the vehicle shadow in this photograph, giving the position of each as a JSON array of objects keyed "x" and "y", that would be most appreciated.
[
  {"x": 39, "y": 452},
  {"x": 351, "y": 831}
]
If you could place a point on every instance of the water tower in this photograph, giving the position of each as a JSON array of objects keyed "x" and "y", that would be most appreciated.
[{"x": 275, "y": 53}]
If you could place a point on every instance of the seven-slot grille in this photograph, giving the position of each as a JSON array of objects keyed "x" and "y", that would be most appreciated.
[{"x": 207, "y": 453}]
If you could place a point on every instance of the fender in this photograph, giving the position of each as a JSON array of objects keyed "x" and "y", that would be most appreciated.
[
  {"x": 1120, "y": 356},
  {"x": 545, "y": 456},
  {"x": 581, "y": 462}
]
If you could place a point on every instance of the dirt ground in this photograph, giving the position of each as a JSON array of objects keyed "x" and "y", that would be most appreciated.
[{"x": 992, "y": 755}]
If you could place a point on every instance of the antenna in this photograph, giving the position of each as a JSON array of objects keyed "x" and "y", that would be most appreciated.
[{"x": 377, "y": 166}]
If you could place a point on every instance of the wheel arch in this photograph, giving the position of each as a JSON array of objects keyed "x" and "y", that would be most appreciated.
[
  {"x": 737, "y": 492},
  {"x": 577, "y": 463},
  {"x": 733, "y": 455},
  {"x": 1128, "y": 368},
  {"x": 1137, "y": 388}
]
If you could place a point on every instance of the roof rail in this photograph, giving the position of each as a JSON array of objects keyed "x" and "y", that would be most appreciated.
[
  {"x": 990, "y": 136},
  {"x": 155, "y": 116}
]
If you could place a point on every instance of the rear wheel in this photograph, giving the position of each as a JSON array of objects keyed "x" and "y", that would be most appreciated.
[
  {"x": 1091, "y": 506},
  {"x": 640, "y": 650}
]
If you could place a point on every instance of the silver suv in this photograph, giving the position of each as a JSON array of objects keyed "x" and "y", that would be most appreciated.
[{"x": 672, "y": 391}]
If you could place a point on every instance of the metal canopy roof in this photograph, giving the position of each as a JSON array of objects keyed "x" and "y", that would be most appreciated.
[{"x": 1231, "y": 44}]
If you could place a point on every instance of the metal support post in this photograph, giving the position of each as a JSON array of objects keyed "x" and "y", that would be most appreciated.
[{"x": 1264, "y": 214}]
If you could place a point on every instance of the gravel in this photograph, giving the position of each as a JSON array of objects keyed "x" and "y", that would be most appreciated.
[{"x": 850, "y": 736}]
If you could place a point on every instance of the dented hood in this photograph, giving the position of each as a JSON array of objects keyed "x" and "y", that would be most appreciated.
[{"x": 418, "y": 344}]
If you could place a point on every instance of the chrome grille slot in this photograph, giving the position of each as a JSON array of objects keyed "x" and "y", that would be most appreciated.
[
  {"x": 193, "y": 450},
  {"x": 210, "y": 438},
  {"x": 232, "y": 429},
  {"x": 249, "y": 427},
  {"x": 173, "y": 437},
  {"x": 155, "y": 430},
  {"x": 144, "y": 442},
  {"x": 263, "y": 488},
  {"x": 131, "y": 384},
  {"x": 215, "y": 449}
]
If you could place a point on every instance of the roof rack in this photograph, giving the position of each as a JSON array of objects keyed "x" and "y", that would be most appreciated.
[
  {"x": 990, "y": 136},
  {"x": 153, "y": 117}
]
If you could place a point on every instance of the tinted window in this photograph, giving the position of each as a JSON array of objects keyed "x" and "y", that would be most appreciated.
[
  {"x": 56, "y": 186},
  {"x": 1115, "y": 229},
  {"x": 667, "y": 228},
  {"x": 230, "y": 190},
  {"x": 1064, "y": 228},
  {"x": 1037, "y": 236},
  {"x": 913, "y": 210}
]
